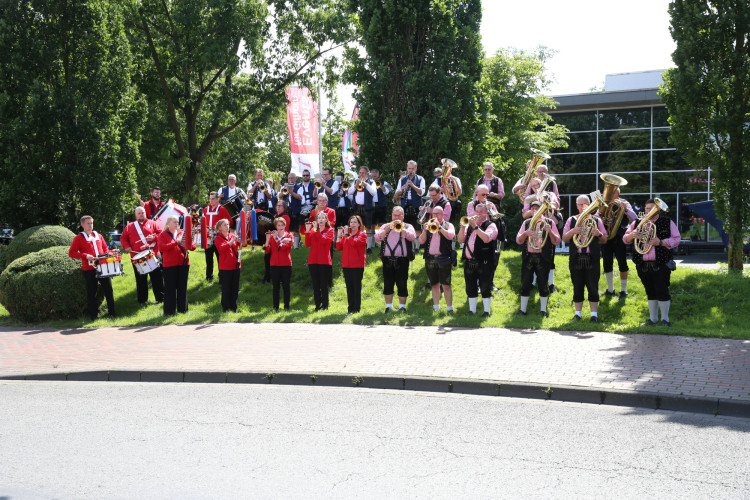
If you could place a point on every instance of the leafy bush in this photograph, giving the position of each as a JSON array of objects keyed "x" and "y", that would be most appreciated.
[
  {"x": 44, "y": 285},
  {"x": 34, "y": 239}
]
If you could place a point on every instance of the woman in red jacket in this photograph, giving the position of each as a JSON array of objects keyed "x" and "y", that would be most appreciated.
[
  {"x": 353, "y": 259},
  {"x": 279, "y": 245},
  {"x": 281, "y": 211},
  {"x": 86, "y": 246},
  {"x": 175, "y": 265},
  {"x": 319, "y": 240},
  {"x": 228, "y": 246}
]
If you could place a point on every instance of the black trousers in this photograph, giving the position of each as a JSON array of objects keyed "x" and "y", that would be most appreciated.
[
  {"x": 615, "y": 248},
  {"x": 365, "y": 214},
  {"x": 267, "y": 263},
  {"x": 379, "y": 215},
  {"x": 535, "y": 266},
  {"x": 656, "y": 280},
  {"x": 281, "y": 276},
  {"x": 175, "y": 289},
  {"x": 157, "y": 285},
  {"x": 91, "y": 286},
  {"x": 396, "y": 272},
  {"x": 584, "y": 273},
  {"x": 210, "y": 252},
  {"x": 353, "y": 280},
  {"x": 321, "y": 276},
  {"x": 482, "y": 272},
  {"x": 342, "y": 216},
  {"x": 230, "y": 289}
]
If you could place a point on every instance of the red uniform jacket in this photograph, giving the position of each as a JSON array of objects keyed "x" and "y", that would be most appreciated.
[
  {"x": 173, "y": 254},
  {"x": 320, "y": 246},
  {"x": 227, "y": 253},
  {"x": 281, "y": 254},
  {"x": 80, "y": 247},
  {"x": 152, "y": 208},
  {"x": 130, "y": 238},
  {"x": 211, "y": 216},
  {"x": 331, "y": 213},
  {"x": 353, "y": 250}
]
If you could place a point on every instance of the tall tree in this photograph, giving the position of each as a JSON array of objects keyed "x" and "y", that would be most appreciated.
[
  {"x": 708, "y": 98},
  {"x": 70, "y": 117},
  {"x": 416, "y": 81},
  {"x": 515, "y": 108},
  {"x": 215, "y": 64}
]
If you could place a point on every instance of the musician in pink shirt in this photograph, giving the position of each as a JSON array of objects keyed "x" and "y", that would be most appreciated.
[{"x": 396, "y": 251}]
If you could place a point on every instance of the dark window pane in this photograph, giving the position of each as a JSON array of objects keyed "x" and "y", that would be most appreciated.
[
  {"x": 572, "y": 164},
  {"x": 622, "y": 140},
  {"x": 661, "y": 139},
  {"x": 670, "y": 160},
  {"x": 637, "y": 183},
  {"x": 661, "y": 117},
  {"x": 576, "y": 184},
  {"x": 624, "y": 162},
  {"x": 581, "y": 142},
  {"x": 625, "y": 118},
  {"x": 576, "y": 121},
  {"x": 693, "y": 181}
]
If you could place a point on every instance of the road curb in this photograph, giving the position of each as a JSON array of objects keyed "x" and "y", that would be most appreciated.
[{"x": 574, "y": 394}]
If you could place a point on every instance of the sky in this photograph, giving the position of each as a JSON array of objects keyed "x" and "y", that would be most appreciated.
[{"x": 592, "y": 38}]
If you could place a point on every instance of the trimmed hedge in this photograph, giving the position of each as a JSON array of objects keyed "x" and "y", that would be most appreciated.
[
  {"x": 44, "y": 285},
  {"x": 34, "y": 239}
]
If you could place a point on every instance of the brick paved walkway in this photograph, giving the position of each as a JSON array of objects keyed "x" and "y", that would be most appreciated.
[{"x": 689, "y": 367}]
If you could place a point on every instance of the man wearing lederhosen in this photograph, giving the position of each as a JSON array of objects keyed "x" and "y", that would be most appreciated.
[
  {"x": 154, "y": 204},
  {"x": 615, "y": 248},
  {"x": 584, "y": 262},
  {"x": 396, "y": 251},
  {"x": 410, "y": 190},
  {"x": 362, "y": 201},
  {"x": 655, "y": 267},
  {"x": 437, "y": 255},
  {"x": 536, "y": 262},
  {"x": 481, "y": 197},
  {"x": 554, "y": 200},
  {"x": 137, "y": 237},
  {"x": 479, "y": 257},
  {"x": 302, "y": 204},
  {"x": 212, "y": 214}
]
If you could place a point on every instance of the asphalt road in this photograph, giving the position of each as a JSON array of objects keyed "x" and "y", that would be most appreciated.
[{"x": 129, "y": 440}]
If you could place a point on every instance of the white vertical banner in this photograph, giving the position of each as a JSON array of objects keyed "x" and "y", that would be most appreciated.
[{"x": 303, "y": 122}]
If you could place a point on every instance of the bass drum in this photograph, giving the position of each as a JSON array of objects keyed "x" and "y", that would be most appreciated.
[
  {"x": 264, "y": 220},
  {"x": 235, "y": 204}
]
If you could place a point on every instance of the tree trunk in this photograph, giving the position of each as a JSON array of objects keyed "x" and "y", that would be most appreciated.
[
  {"x": 190, "y": 182},
  {"x": 735, "y": 253}
]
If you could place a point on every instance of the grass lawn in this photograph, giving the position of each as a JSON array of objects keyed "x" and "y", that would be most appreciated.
[{"x": 704, "y": 303}]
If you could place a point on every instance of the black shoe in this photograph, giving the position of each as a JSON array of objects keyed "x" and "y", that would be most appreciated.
[
  {"x": 544, "y": 314},
  {"x": 402, "y": 310},
  {"x": 112, "y": 315},
  {"x": 594, "y": 319},
  {"x": 609, "y": 293},
  {"x": 552, "y": 288},
  {"x": 471, "y": 313},
  {"x": 576, "y": 317},
  {"x": 648, "y": 323},
  {"x": 449, "y": 312},
  {"x": 623, "y": 296},
  {"x": 143, "y": 304},
  {"x": 387, "y": 310},
  {"x": 368, "y": 251},
  {"x": 485, "y": 314},
  {"x": 209, "y": 278},
  {"x": 520, "y": 313},
  {"x": 665, "y": 322}
]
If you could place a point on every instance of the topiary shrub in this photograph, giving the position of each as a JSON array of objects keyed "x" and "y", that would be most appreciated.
[
  {"x": 44, "y": 285},
  {"x": 34, "y": 239}
]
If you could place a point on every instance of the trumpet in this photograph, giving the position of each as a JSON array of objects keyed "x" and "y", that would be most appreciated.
[
  {"x": 262, "y": 188},
  {"x": 318, "y": 184},
  {"x": 397, "y": 226},
  {"x": 433, "y": 226},
  {"x": 378, "y": 184},
  {"x": 345, "y": 185},
  {"x": 285, "y": 191},
  {"x": 360, "y": 185},
  {"x": 466, "y": 221}
]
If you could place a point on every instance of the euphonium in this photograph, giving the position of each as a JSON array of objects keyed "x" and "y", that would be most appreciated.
[
  {"x": 465, "y": 221},
  {"x": 433, "y": 226},
  {"x": 645, "y": 231},
  {"x": 397, "y": 226},
  {"x": 587, "y": 222},
  {"x": 539, "y": 236},
  {"x": 538, "y": 157},
  {"x": 613, "y": 210},
  {"x": 450, "y": 184}
]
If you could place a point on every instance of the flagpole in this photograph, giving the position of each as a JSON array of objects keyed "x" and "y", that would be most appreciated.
[{"x": 320, "y": 129}]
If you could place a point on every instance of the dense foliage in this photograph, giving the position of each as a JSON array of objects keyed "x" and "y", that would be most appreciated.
[
  {"x": 44, "y": 285},
  {"x": 707, "y": 95},
  {"x": 34, "y": 239}
]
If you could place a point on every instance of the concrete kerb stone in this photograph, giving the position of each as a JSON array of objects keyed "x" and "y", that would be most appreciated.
[
  {"x": 93, "y": 376},
  {"x": 733, "y": 408},
  {"x": 206, "y": 377},
  {"x": 158, "y": 376}
]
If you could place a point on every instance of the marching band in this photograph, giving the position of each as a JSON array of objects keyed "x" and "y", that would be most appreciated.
[{"x": 349, "y": 215}]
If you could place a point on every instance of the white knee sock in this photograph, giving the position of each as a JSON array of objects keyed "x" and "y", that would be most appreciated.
[
  {"x": 551, "y": 277},
  {"x": 370, "y": 240},
  {"x": 524, "y": 303},
  {"x": 653, "y": 310},
  {"x": 664, "y": 308},
  {"x": 579, "y": 314},
  {"x": 473, "y": 304},
  {"x": 623, "y": 285},
  {"x": 487, "y": 304},
  {"x": 296, "y": 240},
  {"x": 436, "y": 307},
  {"x": 533, "y": 283},
  {"x": 543, "y": 303},
  {"x": 610, "y": 281}
]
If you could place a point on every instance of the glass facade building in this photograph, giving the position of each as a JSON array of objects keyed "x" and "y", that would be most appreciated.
[{"x": 627, "y": 133}]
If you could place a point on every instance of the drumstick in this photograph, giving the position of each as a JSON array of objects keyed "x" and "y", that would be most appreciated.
[{"x": 139, "y": 198}]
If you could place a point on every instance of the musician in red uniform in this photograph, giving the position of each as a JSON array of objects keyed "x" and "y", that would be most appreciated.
[
  {"x": 86, "y": 246},
  {"x": 353, "y": 257},
  {"x": 319, "y": 236},
  {"x": 279, "y": 245},
  {"x": 154, "y": 204},
  {"x": 174, "y": 246},
  {"x": 228, "y": 246},
  {"x": 212, "y": 214},
  {"x": 137, "y": 237}
]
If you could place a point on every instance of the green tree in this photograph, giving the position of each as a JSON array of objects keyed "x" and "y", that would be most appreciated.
[
  {"x": 334, "y": 125},
  {"x": 71, "y": 121},
  {"x": 515, "y": 111},
  {"x": 215, "y": 64},
  {"x": 707, "y": 95},
  {"x": 416, "y": 81}
]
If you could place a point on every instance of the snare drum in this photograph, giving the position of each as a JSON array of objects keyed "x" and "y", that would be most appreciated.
[
  {"x": 109, "y": 264},
  {"x": 235, "y": 204},
  {"x": 170, "y": 208},
  {"x": 145, "y": 261}
]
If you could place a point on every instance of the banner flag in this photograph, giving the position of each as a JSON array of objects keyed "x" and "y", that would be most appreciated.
[
  {"x": 349, "y": 146},
  {"x": 304, "y": 133}
]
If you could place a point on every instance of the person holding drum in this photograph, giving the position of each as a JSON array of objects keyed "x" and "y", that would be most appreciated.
[
  {"x": 228, "y": 246},
  {"x": 139, "y": 238},
  {"x": 353, "y": 259},
  {"x": 319, "y": 236},
  {"x": 174, "y": 245},
  {"x": 230, "y": 190},
  {"x": 279, "y": 245},
  {"x": 212, "y": 214},
  {"x": 87, "y": 246}
]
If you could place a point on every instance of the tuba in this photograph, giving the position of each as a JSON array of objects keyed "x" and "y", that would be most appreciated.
[
  {"x": 613, "y": 210},
  {"x": 587, "y": 222},
  {"x": 537, "y": 159},
  {"x": 450, "y": 184},
  {"x": 539, "y": 236},
  {"x": 645, "y": 231}
]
